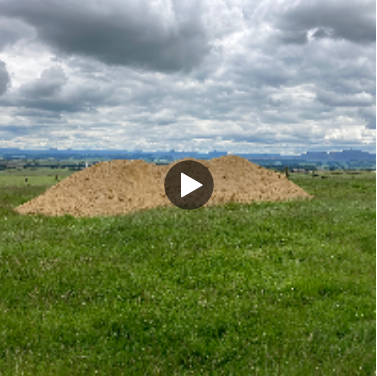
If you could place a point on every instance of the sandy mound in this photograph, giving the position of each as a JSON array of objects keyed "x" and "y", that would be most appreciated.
[{"x": 120, "y": 187}]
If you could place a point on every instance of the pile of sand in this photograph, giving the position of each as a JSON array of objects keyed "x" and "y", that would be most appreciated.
[{"x": 120, "y": 187}]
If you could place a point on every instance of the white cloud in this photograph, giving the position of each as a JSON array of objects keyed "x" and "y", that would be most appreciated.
[{"x": 241, "y": 75}]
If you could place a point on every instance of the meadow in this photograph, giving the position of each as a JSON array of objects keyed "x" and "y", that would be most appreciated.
[{"x": 261, "y": 289}]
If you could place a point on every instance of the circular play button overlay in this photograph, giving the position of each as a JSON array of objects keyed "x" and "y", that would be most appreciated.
[{"x": 188, "y": 185}]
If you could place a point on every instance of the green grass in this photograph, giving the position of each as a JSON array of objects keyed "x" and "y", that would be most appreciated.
[
  {"x": 41, "y": 177},
  {"x": 263, "y": 289}
]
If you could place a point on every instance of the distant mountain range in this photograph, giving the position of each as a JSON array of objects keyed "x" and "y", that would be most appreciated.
[{"x": 168, "y": 156}]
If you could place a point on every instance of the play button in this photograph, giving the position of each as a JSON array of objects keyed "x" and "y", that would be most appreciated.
[{"x": 188, "y": 185}]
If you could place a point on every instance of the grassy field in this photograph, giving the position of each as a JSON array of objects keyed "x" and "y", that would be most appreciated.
[
  {"x": 263, "y": 289},
  {"x": 43, "y": 176}
]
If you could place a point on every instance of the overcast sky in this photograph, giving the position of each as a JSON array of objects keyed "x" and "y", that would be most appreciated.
[{"x": 235, "y": 75}]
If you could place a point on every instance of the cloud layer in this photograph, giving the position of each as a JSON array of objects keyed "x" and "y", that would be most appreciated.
[
  {"x": 234, "y": 75},
  {"x": 4, "y": 78}
]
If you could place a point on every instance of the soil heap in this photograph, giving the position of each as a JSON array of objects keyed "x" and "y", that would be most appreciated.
[{"x": 122, "y": 186}]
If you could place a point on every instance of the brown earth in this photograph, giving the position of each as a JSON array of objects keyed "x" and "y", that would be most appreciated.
[{"x": 121, "y": 187}]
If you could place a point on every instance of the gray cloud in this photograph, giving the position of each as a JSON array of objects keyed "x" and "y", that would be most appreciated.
[
  {"x": 350, "y": 100},
  {"x": 369, "y": 115},
  {"x": 120, "y": 33},
  {"x": 159, "y": 75},
  {"x": 321, "y": 33},
  {"x": 4, "y": 78},
  {"x": 296, "y": 37},
  {"x": 13, "y": 30},
  {"x": 48, "y": 85},
  {"x": 346, "y": 19}
]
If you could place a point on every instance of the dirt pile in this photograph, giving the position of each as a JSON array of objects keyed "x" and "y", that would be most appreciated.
[{"x": 120, "y": 187}]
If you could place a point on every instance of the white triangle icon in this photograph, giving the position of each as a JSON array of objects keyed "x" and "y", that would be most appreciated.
[{"x": 188, "y": 185}]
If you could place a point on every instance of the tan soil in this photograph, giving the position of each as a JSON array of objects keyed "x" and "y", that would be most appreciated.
[{"x": 120, "y": 187}]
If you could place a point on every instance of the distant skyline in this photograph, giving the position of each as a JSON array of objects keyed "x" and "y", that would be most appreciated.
[
  {"x": 173, "y": 151},
  {"x": 239, "y": 76}
]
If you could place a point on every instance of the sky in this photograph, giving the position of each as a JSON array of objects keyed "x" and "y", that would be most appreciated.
[{"x": 231, "y": 75}]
